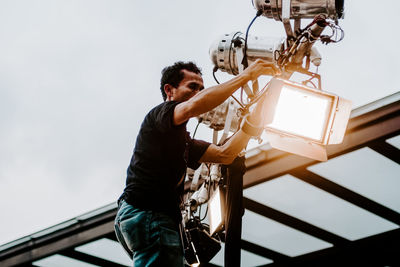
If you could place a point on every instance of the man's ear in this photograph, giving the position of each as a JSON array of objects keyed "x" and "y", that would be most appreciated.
[{"x": 168, "y": 91}]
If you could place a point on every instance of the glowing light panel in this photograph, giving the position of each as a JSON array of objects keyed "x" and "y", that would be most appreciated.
[
  {"x": 215, "y": 212},
  {"x": 302, "y": 113},
  {"x": 304, "y": 120}
]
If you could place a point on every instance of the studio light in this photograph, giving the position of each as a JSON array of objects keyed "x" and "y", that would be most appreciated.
[
  {"x": 300, "y": 8},
  {"x": 304, "y": 120},
  {"x": 216, "y": 211}
]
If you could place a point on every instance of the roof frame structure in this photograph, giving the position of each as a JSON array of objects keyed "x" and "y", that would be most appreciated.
[
  {"x": 346, "y": 194},
  {"x": 76, "y": 232},
  {"x": 293, "y": 222},
  {"x": 370, "y": 126},
  {"x": 88, "y": 258},
  {"x": 378, "y": 250}
]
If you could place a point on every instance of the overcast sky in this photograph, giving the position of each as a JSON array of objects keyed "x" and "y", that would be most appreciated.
[{"x": 77, "y": 77}]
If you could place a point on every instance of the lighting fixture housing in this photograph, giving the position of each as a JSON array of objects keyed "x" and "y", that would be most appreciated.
[{"x": 304, "y": 120}]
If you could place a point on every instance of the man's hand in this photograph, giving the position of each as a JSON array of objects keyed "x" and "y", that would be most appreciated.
[{"x": 260, "y": 67}]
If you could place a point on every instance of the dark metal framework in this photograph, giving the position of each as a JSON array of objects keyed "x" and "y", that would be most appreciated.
[{"x": 370, "y": 126}]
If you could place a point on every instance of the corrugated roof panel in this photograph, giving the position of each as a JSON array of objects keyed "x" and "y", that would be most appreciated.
[
  {"x": 315, "y": 206},
  {"x": 278, "y": 237},
  {"x": 106, "y": 249},
  {"x": 366, "y": 172},
  {"x": 61, "y": 261},
  {"x": 247, "y": 259}
]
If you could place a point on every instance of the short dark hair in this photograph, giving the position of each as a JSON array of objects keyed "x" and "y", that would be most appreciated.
[{"x": 173, "y": 74}]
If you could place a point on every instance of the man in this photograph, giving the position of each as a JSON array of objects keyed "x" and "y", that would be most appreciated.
[{"x": 148, "y": 216}]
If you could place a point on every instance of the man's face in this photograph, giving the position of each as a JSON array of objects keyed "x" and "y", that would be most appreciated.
[{"x": 191, "y": 84}]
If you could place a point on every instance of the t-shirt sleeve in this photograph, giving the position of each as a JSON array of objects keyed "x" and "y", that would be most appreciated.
[
  {"x": 163, "y": 116},
  {"x": 196, "y": 151}
]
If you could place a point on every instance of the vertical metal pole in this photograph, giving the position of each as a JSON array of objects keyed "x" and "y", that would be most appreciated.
[{"x": 234, "y": 211}]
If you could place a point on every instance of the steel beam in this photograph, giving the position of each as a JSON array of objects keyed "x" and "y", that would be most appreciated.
[
  {"x": 346, "y": 194},
  {"x": 293, "y": 222},
  {"x": 36, "y": 249},
  {"x": 262, "y": 251},
  {"x": 386, "y": 150},
  {"x": 77, "y": 255},
  {"x": 209, "y": 265},
  {"x": 111, "y": 236},
  {"x": 378, "y": 250}
]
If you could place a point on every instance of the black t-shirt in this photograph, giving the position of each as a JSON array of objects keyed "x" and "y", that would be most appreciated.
[{"x": 161, "y": 155}]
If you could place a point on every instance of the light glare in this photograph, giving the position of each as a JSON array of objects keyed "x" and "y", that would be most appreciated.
[
  {"x": 215, "y": 212},
  {"x": 302, "y": 113}
]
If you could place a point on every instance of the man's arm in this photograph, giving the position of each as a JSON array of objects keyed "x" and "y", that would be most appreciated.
[
  {"x": 210, "y": 98},
  {"x": 226, "y": 153}
]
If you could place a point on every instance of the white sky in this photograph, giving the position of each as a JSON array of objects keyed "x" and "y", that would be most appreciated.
[{"x": 77, "y": 77}]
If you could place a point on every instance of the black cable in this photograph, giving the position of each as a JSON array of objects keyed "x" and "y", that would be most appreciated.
[
  {"x": 214, "y": 71},
  {"x": 337, "y": 27},
  {"x": 230, "y": 49},
  {"x": 215, "y": 78},
  {"x": 244, "y": 62},
  {"x": 205, "y": 215},
  {"x": 195, "y": 130},
  {"x": 279, "y": 15}
]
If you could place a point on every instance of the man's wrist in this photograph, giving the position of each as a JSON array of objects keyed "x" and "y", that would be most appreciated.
[
  {"x": 246, "y": 77},
  {"x": 251, "y": 129}
]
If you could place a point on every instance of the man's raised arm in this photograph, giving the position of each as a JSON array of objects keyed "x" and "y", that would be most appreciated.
[{"x": 211, "y": 97}]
